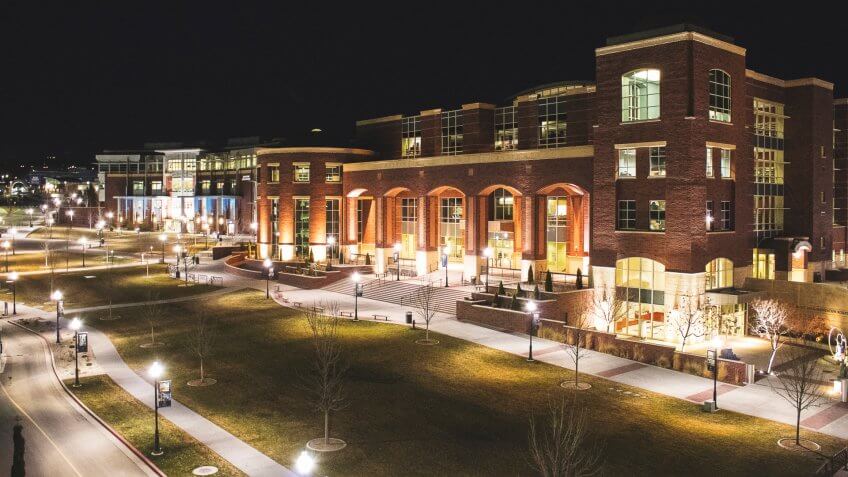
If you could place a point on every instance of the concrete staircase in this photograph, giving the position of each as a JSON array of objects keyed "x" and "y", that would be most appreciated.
[{"x": 400, "y": 292}]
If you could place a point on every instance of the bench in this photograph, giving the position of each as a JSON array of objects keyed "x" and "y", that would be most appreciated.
[
  {"x": 216, "y": 281},
  {"x": 384, "y": 317},
  {"x": 296, "y": 304},
  {"x": 202, "y": 279},
  {"x": 348, "y": 314}
]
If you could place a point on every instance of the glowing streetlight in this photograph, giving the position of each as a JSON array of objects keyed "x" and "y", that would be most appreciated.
[
  {"x": 396, "y": 256},
  {"x": 270, "y": 266},
  {"x": 534, "y": 317},
  {"x": 488, "y": 253},
  {"x": 75, "y": 325},
  {"x": 60, "y": 304},
  {"x": 357, "y": 292},
  {"x": 155, "y": 371}
]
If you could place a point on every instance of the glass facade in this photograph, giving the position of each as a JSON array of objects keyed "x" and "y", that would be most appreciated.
[
  {"x": 640, "y": 283},
  {"x": 640, "y": 95},
  {"x": 452, "y": 228},
  {"x": 719, "y": 274},
  {"x": 410, "y": 145},
  {"x": 552, "y": 122},
  {"x": 301, "y": 227},
  {"x": 719, "y": 96},
  {"x": 506, "y": 129},
  {"x": 556, "y": 233},
  {"x": 452, "y": 132},
  {"x": 768, "y": 168},
  {"x": 408, "y": 227}
]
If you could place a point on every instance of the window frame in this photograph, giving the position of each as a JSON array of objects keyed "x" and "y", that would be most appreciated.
[
  {"x": 656, "y": 215},
  {"x": 720, "y": 96},
  {"x": 626, "y": 216},
  {"x": 656, "y": 161},
  {"x": 629, "y": 84},
  {"x": 628, "y": 166}
]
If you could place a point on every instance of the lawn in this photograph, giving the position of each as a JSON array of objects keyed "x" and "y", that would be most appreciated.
[
  {"x": 123, "y": 285},
  {"x": 34, "y": 261},
  {"x": 127, "y": 241},
  {"x": 452, "y": 409},
  {"x": 134, "y": 421}
]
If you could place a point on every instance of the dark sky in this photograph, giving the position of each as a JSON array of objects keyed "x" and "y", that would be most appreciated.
[{"x": 85, "y": 75}]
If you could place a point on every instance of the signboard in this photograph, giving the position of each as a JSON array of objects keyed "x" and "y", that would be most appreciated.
[
  {"x": 711, "y": 359},
  {"x": 444, "y": 261},
  {"x": 358, "y": 289},
  {"x": 82, "y": 342},
  {"x": 164, "y": 395},
  {"x": 60, "y": 308}
]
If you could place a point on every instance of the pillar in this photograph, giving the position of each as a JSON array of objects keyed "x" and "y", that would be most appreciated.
[
  {"x": 426, "y": 257},
  {"x": 473, "y": 253}
]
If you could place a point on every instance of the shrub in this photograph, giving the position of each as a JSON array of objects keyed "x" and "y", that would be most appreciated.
[
  {"x": 552, "y": 334},
  {"x": 579, "y": 281},
  {"x": 536, "y": 293},
  {"x": 501, "y": 289},
  {"x": 549, "y": 282},
  {"x": 663, "y": 362},
  {"x": 514, "y": 304},
  {"x": 341, "y": 256},
  {"x": 693, "y": 367},
  {"x": 367, "y": 259},
  {"x": 530, "y": 275},
  {"x": 311, "y": 257}
]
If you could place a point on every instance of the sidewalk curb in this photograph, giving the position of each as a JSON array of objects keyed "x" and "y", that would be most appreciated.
[{"x": 91, "y": 413}]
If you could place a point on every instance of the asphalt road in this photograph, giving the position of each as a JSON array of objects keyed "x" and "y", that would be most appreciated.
[{"x": 60, "y": 439}]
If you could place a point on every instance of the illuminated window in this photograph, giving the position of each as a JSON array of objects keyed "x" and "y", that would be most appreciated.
[
  {"x": 719, "y": 274},
  {"x": 640, "y": 283},
  {"x": 452, "y": 132},
  {"x": 657, "y": 215},
  {"x": 408, "y": 226},
  {"x": 410, "y": 136},
  {"x": 552, "y": 123},
  {"x": 769, "y": 166},
  {"x": 710, "y": 172},
  {"x": 726, "y": 215},
  {"x": 626, "y": 215},
  {"x": 301, "y": 227},
  {"x": 333, "y": 173},
  {"x": 626, "y": 163},
  {"x": 273, "y": 173},
  {"x": 138, "y": 187},
  {"x": 719, "y": 96},
  {"x": 710, "y": 216},
  {"x": 768, "y": 213},
  {"x": 763, "y": 264},
  {"x": 640, "y": 95},
  {"x": 724, "y": 165},
  {"x": 452, "y": 227},
  {"x": 301, "y": 172},
  {"x": 332, "y": 230},
  {"x": 657, "y": 158},
  {"x": 502, "y": 204},
  {"x": 156, "y": 188},
  {"x": 205, "y": 187},
  {"x": 506, "y": 129},
  {"x": 557, "y": 233}
]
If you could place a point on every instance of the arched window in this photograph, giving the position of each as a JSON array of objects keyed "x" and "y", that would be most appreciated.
[
  {"x": 719, "y": 274},
  {"x": 719, "y": 96},
  {"x": 640, "y": 95},
  {"x": 502, "y": 202},
  {"x": 640, "y": 283}
]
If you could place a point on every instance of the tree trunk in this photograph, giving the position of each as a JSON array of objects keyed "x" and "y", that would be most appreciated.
[
  {"x": 326, "y": 427},
  {"x": 771, "y": 360},
  {"x": 798, "y": 428},
  {"x": 201, "y": 370}
]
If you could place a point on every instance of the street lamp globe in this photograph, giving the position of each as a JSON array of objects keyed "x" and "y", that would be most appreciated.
[
  {"x": 398, "y": 247},
  {"x": 163, "y": 238},
  {"x": 83, "y": 241},
  {"x": 488, "y": 252},
  {"x": 6, "y": 244},
  {"x": 156, "y": 370},
  {"x": 531, "y": 306},
  {"x": 331, "y": 240},
  {"x": 267, "y": 263},
  {"x": 356, "y": 277},
  {"x": 75, "y": 324},
  {"x": 177, "y": 249},
  {"x": 13, "y": 277},
  {"x": 446, "y": 250},
  {"x": 56, "y": 296}
]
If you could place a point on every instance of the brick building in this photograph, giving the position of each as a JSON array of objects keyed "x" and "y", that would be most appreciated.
[{"x": 677, "y": 173}]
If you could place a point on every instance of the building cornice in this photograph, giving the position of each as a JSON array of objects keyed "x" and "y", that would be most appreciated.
[
  {"x": 313, "y": 150},
  {"x": 788, "y": 83},
  {"x": 384, "y": 119},
  {"x": 666, "y": 39},
  {"x": 840, "y": 101},
  {"x": 572, "y": 152}
]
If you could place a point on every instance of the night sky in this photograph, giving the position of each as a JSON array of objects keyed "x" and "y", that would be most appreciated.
[{"x": 92, "y": 75}]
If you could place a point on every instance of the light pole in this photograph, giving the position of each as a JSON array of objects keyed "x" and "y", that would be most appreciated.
[
  {"x": 177, "y": 250},
  {"x": 396, "y": 255},
  {"x": 84, "y": 242},
  {"x": 155, "y": 372},
  {"x": 357, "y": 292},
  {"x": 6, "y": 246},
  {"x": 75, "y": 326},
  {"x": 164, "y": 239},
  {"x": 205, "y": 235},
  {"x": 70, "y": 214},
  {"x": 12, "y": 281},
  {"x": 270, "y": 266},
  {"x": 445, "y": 255},
  {"x": 712, "y": 362},
  {"x": 488, "y": 252},
  {"x": 13, "y": 232},
  {"x": 57, "y": 297},
  {"x": 531, "y": 310}
]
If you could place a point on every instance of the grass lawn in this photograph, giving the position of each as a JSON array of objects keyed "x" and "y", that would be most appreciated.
[
  {"x": 34, "y": 261},
  {"x": 124, "y": 285},
  {"x": 451, "y": 409},
  {"x": 134, "y": 421},
  {"x": 128, "y": 241}
]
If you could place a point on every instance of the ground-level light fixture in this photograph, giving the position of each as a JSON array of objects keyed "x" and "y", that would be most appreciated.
[
  {"x": 445, "y": 256},
  {"x": 75, "y": 326},
  {"x": 398, "y": 247},
  {"x": 305, "y": 463}
]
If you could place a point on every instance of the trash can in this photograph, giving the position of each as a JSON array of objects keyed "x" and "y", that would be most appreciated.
[{"x": 408, "y": 317}]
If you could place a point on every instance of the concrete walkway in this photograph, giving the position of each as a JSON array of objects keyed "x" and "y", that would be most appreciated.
[{"x": 756, "y": 399}]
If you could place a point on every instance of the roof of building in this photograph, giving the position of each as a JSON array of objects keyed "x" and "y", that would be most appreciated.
[{"x": 667, "y": 30}]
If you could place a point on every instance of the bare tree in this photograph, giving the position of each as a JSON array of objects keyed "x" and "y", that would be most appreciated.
[
  {"x": 560, "y": 445},
  {"x": 607, "y": 308},
  {"x": 770, "y": 323},
  {"x": 201, "y": 341},
  {"x": 424, "y": 300},
  {"x": 153, "y": 314},
  {"x": 689, "y": 318},
  {"x": 325, "y": 384},
  {"x": 576, "y": 350},
  {"x": 800, "y": 384}
]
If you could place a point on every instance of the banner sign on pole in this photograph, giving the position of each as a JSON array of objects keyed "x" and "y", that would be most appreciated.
[
  {"x": 82, "y": 342},
  {"x": 61, "y": 306},
  {"x": 711, "y": 359},
  {"x": 164, "y": 397}
]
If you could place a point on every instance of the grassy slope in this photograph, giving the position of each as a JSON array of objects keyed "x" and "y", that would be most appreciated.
[
  {"x": 456, "y": 408},
  {"x": 134, "y": 421}
]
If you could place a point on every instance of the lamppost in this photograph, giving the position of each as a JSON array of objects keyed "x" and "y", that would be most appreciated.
[
  {"x": 270, "y": 266},
  {"x": 57, "y": 297},
  {"x": 396, "y": 256},
  {"x": 13, "y": 232},
  {"x": 445, "y": 255},
  {"x": 534, "y": 316},
  {"x": 357, "y": 292},
  {"x": 29, "y": 212},
  {"x": 331, "y": 245},
  {"x": 177, "y": 250},
  {"x": 84, "y": 242},
  {"x": 70, "y": 214},
  {"x": 6, "y": 246},
  {"x": 12, "y": 281},
  {"x": 164, "y": 239},
  {"x": 712, "y": 364},
  {"x": 75, "y": 326},
  {"x": 488, "y": 252},
  {"x": 155, "y": 372},
  {"x": 254, "y": 227}
]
